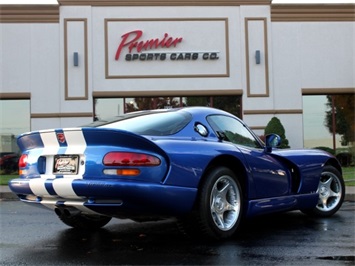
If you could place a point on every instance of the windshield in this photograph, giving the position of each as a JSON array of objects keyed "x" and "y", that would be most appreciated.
[{"x": 160, "y": 123}]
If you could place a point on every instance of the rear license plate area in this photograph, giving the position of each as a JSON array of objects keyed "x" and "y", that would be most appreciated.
[{"x": 66, "y": 164}]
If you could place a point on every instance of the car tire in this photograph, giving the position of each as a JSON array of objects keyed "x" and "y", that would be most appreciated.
[
  {"x": 331, "y": 190},
  {"x": 82, "y": 221},
  {"x": 218, "y": 209}
]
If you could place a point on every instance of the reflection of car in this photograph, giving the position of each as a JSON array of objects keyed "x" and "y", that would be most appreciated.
[
  {"x": 201, "y": 165},
  {"x": 9, "y": 162}
]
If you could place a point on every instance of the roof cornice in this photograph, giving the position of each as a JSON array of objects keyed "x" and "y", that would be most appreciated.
[
  {"x": 29, "y": 13},
  {"x": 312, "y": 12},
  {"x": 163, "y": 2}
]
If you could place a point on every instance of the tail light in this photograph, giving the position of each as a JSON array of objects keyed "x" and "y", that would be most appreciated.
[
  {"x": 130, "y": 159},
  {"x": 22, "y": 163}
]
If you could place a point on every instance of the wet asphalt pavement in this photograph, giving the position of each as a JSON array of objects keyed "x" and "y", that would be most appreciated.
[{"x": 34, "y": 236}]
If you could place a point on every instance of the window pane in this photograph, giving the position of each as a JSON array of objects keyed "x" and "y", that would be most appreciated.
[
  {"x": 150, "y": 103},
  {"x": 233, "y": 130},
  {"x": 15, "y": 116},
  {"x": 231, "y": 104},
  {"x": 315, "y": 133},
  {"x": 108, "y": 107},
  {"x": 318, "y": 120},
  {"x": 14, "y": 120},
  {"x": 198, "y": 101},
  {"x": 162, "y": 123}
]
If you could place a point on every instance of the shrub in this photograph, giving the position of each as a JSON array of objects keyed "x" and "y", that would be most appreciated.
[
  {"x": 275, "y": 126},
  {"x": 345, "y": 158}
]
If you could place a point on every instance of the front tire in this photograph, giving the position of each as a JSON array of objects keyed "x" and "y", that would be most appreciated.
[
  {"x": 218, "y": 209},
  {"x": 331, "y": 190}
]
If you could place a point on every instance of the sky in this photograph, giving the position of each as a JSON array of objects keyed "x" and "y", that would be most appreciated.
[{"x": 274, "y": 1}]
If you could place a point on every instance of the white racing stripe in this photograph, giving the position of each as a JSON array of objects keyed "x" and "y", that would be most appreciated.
[
  {"x": 76, "y": 145},
  {"x": 37, "y": 187},
  {"x": 51, "y": 146},
  {"x": 76, "y": 141},
  {"x": 63, "y": 188},
  {"x": 50, "y": 142}
]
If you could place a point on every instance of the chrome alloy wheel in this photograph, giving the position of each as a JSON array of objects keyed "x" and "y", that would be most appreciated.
[
  {"x": 330, "y": 192},
  {"x": 225, "y": 203}
]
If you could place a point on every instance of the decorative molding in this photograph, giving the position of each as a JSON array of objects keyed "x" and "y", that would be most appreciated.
[
  {"x": 61, "y": 115},
  {"x": 112, "y": 94},
  {"x": 66, "y": 74},
  {"x": 29, "y": 13},
  {"x": 15, "y": 96},
  {"x": 312, "y": 12},
  {"x": 266, "y": 63},
  {"x": 323, "y": 91},
  {"x": 197, "y": 75},
  {"x": 163, "y": 2},
  {"x": 273, "y": 112}
]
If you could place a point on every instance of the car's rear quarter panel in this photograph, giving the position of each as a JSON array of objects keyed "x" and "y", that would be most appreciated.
[{"x": 91, "y": 145}]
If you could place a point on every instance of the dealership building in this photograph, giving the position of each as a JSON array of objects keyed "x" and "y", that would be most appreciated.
[{"x": 65, "y": 65}]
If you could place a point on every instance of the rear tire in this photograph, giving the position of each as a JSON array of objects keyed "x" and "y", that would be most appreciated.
[
  {"x": 218, "y": 209},
  {"x": 331, "y": 190}
]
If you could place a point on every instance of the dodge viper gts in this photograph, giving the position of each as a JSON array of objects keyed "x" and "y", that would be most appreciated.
[{"x": 201, "y": 165}]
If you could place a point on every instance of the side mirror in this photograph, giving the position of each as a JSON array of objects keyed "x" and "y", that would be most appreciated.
[{"x": 272, "y": 141}]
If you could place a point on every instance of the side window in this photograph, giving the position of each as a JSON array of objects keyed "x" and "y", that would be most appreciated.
[{"x": 233, "y": 130}]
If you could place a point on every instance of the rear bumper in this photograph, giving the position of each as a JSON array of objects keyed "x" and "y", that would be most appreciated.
[{"x": 107, "y": 197}]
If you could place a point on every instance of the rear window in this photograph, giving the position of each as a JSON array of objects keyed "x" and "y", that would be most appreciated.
[{"x": 160, "y": 123}]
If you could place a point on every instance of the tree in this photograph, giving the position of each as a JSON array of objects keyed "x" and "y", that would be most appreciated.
[
  {"x": 275, "y": 126},
  {"x": 344, "y": 112}
]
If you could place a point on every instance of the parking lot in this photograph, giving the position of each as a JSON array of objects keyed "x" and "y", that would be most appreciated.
[{"x": 33, "y": 236}]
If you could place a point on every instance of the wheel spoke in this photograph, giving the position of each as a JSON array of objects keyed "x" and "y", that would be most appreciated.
[
  {"x": 224, "y": 203},
  {"x": 219, "y": 219},
  {"x": 224, "y": 190},
  {"x": 231, "y": 207},
  {"x": 334, "y": 194},
  {"x": 327, "y": 183},
  {"x": 323, "y": 202}
]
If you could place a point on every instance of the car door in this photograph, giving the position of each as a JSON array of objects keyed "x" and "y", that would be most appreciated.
[{"x": 268, "y": 176}]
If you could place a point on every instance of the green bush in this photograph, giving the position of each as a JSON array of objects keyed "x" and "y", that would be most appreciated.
[{"x": 275, "y": 126}]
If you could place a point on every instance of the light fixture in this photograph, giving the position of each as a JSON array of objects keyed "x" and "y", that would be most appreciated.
[
  {"x": 257, "y": 57},
  {"x": 76, "y": 59}
]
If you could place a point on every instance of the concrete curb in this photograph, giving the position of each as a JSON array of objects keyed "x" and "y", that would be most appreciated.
[{"x": 6, "y": 194}]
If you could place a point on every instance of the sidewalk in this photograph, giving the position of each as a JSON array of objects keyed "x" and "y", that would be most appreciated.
[{"x": 6, "y": 194}]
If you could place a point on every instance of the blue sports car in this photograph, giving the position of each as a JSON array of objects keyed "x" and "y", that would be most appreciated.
[{"x": 201, "y": 165}]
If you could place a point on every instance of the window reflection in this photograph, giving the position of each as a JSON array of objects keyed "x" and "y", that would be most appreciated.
[
  {"x": 232, "y": 130},
  {"x": 329, "y": 123},
  {"x": 108, "y": 107},
  {"x": 15, "y": 119}
]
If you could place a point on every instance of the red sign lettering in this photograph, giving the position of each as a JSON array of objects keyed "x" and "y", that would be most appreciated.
[{"x": 131, "y": 40}]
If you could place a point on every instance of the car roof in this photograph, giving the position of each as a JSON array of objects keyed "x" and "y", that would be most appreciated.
[{"x": 194, "y": 110}]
